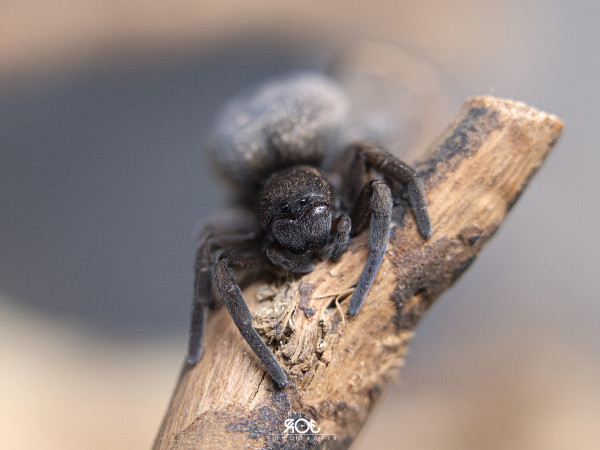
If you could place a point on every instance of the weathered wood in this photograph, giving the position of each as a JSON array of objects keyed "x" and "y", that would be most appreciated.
[{"x": 337, "y": 364}]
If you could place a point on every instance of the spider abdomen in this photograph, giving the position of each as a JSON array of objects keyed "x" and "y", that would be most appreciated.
[{"x": 281, "y": 123}]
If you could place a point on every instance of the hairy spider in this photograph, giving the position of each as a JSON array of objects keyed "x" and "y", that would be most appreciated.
[{"x": 277, "y": 144}]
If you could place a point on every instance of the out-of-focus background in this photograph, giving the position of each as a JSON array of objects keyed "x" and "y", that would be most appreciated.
[{"x": 104, "y": 106}]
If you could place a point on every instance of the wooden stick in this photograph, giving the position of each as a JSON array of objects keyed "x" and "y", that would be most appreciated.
[{"x": 338, "y": 365}]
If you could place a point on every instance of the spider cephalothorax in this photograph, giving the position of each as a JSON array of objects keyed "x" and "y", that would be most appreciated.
[
  {"x": 294, "y": 204},
  {"x": 271, "y": 143}
]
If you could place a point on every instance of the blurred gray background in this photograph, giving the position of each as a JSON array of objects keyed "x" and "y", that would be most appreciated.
[{"x": 104, "y": 106}]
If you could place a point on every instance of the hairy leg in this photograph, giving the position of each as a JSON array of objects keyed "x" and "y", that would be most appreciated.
[
  {"x": 278, "y": 257},
  {"x": 238, "y": 309},
  {"x": 366, "y": 156},
  {"x": 224, "y": 231},
  {"x": 343, "y": 227},
  {"x": 374, "y": 203}
]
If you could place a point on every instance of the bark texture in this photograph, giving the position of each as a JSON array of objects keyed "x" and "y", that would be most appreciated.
[{"x": 338, "y": 365}]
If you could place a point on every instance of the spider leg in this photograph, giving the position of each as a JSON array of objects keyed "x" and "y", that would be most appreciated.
[
  {"x": 278, "y": 258},
  {"x": 222, "y": 232},
  {"x": 342, "y": 237},
  {"x": 375, "y": 202},
  {"x": 394, "y": 169},
  {"x": 238, "y": 309}
]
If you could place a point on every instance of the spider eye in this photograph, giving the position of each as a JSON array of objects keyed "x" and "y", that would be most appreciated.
[
  {"x": 285, "y": 208},
  {"x": 303, "y": 201}
]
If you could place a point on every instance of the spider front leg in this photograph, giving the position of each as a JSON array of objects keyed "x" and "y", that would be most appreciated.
[
  {"x": 343, "y": 226},
  {"x": 233, "y": 228},
  {"x": 277, "y": 256},
  {"x": 238, "y": 309},
  {"x": 375, "y": 202},
  {"x": 367, "y": 155}
]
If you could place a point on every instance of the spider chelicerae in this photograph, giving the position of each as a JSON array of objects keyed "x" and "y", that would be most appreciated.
[{"x": 303, "y": 197}]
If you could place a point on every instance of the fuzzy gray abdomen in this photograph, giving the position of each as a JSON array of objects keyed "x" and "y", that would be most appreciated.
[{"x": 283, "y": 122}]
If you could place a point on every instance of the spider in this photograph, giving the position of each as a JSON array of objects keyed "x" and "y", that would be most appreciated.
[{"x": 277, "y": 145}]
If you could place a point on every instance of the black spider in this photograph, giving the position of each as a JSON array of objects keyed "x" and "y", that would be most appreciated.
[{"x": 276, "y": 144}]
